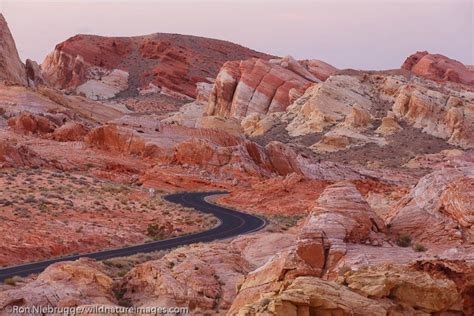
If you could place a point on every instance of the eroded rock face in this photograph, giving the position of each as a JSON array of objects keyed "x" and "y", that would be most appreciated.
[
  {"x": 319, "y": 69},
  {"x": 441, "y": 115},
  {"x": 345, "y": 107},
  {"x": 14, "y": 155},
  {"x": 256, "y": 86},
  {"x": 64, "y": 284},
  {"x": 70, "y": 131},
  {"x": 439, "y": 210},
  {"x": 115, "y": 138},
  {"x": 418, "y": 289},
  {"x": 381, "y": 290},
  {"x": 329, "y": 103},
  {"x": 169, "y": 62},
  {"x": 202, "y": 277},
  {"x": 28, "y": 123},
  {"x": 11, "y": 68},
  {"x": 33, "y": 73},
  {"x": 438, "y": 67}
]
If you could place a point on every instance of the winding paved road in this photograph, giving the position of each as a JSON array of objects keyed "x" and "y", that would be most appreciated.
[{"x": 232, "y": 223}]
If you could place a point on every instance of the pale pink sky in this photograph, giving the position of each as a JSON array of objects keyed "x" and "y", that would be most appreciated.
[{"x": 364, "y": 34}]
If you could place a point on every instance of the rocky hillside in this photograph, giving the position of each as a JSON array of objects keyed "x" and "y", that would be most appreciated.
[{"x": 102, "y": 67}]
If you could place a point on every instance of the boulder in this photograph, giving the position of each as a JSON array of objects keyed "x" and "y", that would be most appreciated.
[
  {"x": 70, "y": 131},
  {"x": 28, "y": 123}
]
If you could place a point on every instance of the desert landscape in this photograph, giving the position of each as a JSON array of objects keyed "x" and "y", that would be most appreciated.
[{"x": 365, "y": 179}]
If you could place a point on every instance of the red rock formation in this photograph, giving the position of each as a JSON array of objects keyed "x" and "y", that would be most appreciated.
[
  {"x": 438, "y": 67},
  {"x": 11, "y": 67},
  {"x": 176, "y": 62},
  {"x": 319, "y": 69},
  {"x": 65, "y": 284},
  {"x": 256, "y": 86},
  {"x": 114, "y": 138},
  {"x": 28, "y": 123},
  {"x": 70, "y": 131},
  {"x": 14, "y": 155},
  {"x": 439, "y": 210}
]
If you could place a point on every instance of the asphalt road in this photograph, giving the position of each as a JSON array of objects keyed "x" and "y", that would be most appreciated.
[{"x": 232, "y": 223}]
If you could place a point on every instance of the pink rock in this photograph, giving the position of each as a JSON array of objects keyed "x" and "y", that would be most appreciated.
[{"x": 438, "y": 67}]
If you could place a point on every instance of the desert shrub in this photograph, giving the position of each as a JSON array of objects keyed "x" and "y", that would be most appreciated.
[
  {"x": 155, "y": 231},
  {"x": 10, "y": 281},
  {"x": 419, "y": 248},
  {"x": 404, "y": 240}
]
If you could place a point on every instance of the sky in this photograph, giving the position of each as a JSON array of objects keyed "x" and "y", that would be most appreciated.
[{"x": 360, "y": 34}]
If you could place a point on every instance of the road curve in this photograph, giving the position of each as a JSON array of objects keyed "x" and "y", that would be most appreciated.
[{"x": 232, "y": 223}]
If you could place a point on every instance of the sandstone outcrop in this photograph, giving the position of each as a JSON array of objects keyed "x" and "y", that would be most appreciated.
[
  {"x": 202, "y": 277},
  {"x": 65, "y": 284},
  {"x": 256, "y": 86},
  {"x": 167, "y": 61},
  {"x": 341, "y": 216},
  {"x": 442, "y": 115},
  {"x": 319, "y": 69},
  {"x": 11, "y": 68},
  {"x": 389, "y": 125},
  {"x": 104, "y": 84},
  {"x": 115, "y": 138},
  {"x": 15, "y": 155},
  {"x": 381, "y": 290},
  {"x": 438, "y": 67},
  {"x": 438, "y": 210},
  {"x": 33, "y": 73},
  {"x": 256, "y": 124},
  {"x": 345, "y": 107},
  {"x": 70, "y": 131},
  {"x": 326, "y": 104},
  {"x": 418, "y": 289},
  {"x": 28, "y": 123}
]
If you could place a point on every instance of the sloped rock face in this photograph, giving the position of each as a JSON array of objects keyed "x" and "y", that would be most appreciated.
[
  {"x": 256, "y": 86},
  {"x": 114, "y": 138},
  {"x": 444, "y": 116},
  {"x": 329, "y": 103},
  {"x": 319, "y": 69},
  {"x": 14, "y": 155},
  {"x": 414, "y": 288},
  {"x": 11, "y": 68},
  {"x": 64, "y": 284},
  {"x": 439, "y": 210},
  {"x": 438, "y": 67},
  {"x": 168, "y": 61}
]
